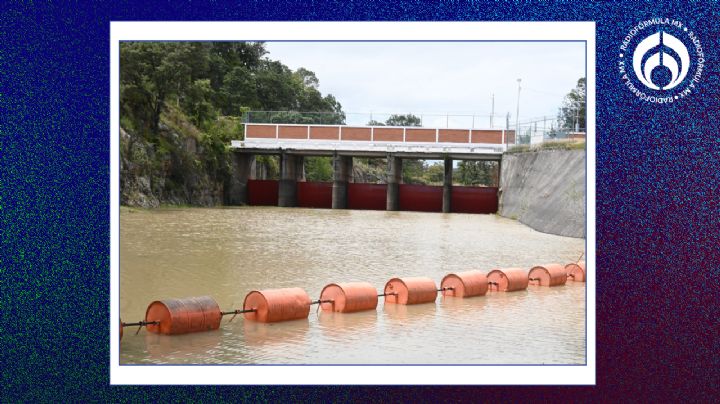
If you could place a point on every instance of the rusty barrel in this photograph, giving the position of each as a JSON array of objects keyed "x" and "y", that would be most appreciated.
[
  {"x": 410, "y": 290},
  {"x": 547, "y": 275},
  {"x": 273, "y": 305},
  {"x": 465, "y": 284},
  {"x": 576, "y": 272},
  {"x": 181, "y": 316},
  {"x": 507, "y": 279},
  {"x": 349, "y": 297}
]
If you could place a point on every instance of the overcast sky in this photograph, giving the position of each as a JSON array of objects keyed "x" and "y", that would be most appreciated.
[{"x": 440, "y": 77}]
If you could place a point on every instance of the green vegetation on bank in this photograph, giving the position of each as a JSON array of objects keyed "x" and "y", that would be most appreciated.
[
  {"x": 181, "y": 103},
  {"x": 547, "y": 145}
]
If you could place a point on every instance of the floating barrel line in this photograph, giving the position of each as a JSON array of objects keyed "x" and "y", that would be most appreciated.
[{"x": 195, "y": 314}]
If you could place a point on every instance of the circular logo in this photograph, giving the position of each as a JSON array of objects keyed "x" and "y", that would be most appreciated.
[{"x": 661, "y": 60}]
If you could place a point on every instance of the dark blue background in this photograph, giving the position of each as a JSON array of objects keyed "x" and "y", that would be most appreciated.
[{"x": 657, "y": 205}]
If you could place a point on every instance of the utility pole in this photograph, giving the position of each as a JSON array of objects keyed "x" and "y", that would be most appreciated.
[
  {"x": 492, "y": 114},
  {"x": 517, "y": 116},
  {"x": 577, "y": 122}
]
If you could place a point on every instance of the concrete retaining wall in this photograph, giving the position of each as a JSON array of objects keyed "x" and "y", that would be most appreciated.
[{"x": 545, "y": 190}]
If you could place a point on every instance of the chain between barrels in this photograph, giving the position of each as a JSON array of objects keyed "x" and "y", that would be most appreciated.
[
  {"x": 236, "y": 312},
  {"x": 140, "y": 324}
]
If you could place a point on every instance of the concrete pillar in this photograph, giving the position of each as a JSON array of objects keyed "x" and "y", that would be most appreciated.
[
  {"x": 394, "y": 178},
  {"x": 300, "y": 168},
  {"x": 287, "y": 190},
  {"x": 447, "y": 185},
  {"x": 242, "y": 169},
  {"x": 342, "y": 169}
]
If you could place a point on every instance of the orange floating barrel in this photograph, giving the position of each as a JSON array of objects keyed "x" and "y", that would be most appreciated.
[
  {"x": 508, "y": 279},
  {"x": 273, "y": 305},
  {"x": 465, "y": 284},
  {"x": 349, "y": 297},
  {"x": 576, "y": 272},
  {"x": 547, "y": 275},
  {"x": 410, "y": 290},
  {"x": 181, "y": 316}
]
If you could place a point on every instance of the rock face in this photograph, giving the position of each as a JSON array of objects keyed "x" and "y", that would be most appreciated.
[
  {"x": 168, "y": 172},
  {"x": 546, "y": 190}
]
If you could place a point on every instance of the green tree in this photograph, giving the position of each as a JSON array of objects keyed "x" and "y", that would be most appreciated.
[
  {"x": 572, "y": 113},
  {"x": 413, "y": 171},
  {"x": 197, "y": 102},
  {"x": 149, "y": 73},
  {"x": 435, "y": 173},
  {"x": 318, "y": 169},
  {"x": 482, "y": 173},
  {"x": 403, "y": 120}
]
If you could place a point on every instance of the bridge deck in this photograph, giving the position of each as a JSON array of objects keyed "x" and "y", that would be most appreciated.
[{"x": 374, "y": 141}]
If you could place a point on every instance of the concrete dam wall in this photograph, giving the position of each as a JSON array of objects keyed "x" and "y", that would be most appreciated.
[{"x": 545, "y": 190}]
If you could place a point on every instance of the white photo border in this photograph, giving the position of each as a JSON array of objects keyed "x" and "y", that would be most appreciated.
[{"x": 350, "y": 374}]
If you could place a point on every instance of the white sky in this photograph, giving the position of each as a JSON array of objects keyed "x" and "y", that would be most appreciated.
[{"x": 440, "y": 77}]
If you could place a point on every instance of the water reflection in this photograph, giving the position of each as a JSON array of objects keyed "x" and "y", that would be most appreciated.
[
  {"x": 226, "y": 253},
  {"x": 185, "y": 348},
  {"x": 269, "y": 334}
]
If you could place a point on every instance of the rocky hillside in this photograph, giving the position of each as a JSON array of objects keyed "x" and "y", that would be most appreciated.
[{"x": 167, "y": 171}]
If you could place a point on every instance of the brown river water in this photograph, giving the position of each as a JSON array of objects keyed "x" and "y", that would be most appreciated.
[{"x": 228, "y": 252}]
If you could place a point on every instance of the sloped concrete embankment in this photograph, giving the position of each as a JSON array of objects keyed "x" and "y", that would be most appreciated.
[{"x": 545, "y": 190}]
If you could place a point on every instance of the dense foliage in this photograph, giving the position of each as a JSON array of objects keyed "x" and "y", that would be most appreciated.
[
  {"x": 209, "y": 79},
  {"x": 204, "y": 90}
]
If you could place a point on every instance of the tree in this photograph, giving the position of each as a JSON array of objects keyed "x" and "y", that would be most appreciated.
[
  {"x": 318, "y": 169},
  {"x": 403, "y": 120},
  {"x": 477, "y": 173},
  {"x": 572, "y": 113},
  {"x": 435, "y": 173},
  {"x": 149, "y": 73}
]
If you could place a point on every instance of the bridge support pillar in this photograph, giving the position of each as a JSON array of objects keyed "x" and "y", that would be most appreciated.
[
  {"x": 243, "y": 169},
  {"x": 342, "y": 169},
  {"x": 394, "y": 177},
  {"x": 291, "y": 169},
  {"x": 447, "y": 185}
]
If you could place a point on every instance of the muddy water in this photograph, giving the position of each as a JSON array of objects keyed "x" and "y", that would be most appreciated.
[{"x": 227, "y": 252}]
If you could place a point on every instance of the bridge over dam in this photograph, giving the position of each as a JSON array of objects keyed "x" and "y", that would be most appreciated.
[{"x": 292, "y": 143}]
